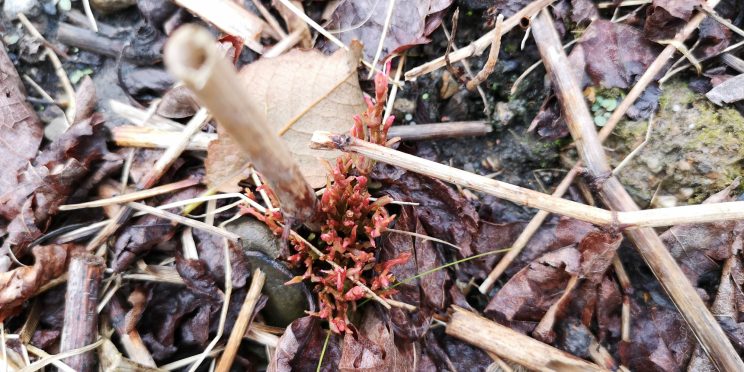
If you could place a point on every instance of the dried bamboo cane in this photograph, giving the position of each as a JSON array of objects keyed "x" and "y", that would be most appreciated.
[
  {"x": 512, "y": 345},
  {"x": 81, "y": 316},
  {"x": 531, "y": 198},
  {"x": 662, "y": 264},
  {"x": 191, "y": 55}
]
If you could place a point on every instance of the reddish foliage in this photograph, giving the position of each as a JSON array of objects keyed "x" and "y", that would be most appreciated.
[{"x": 350, "y": 223}]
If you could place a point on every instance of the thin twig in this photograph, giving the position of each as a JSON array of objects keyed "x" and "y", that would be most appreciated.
[
  {"x": 394, "y": 90},
  {"x": 171, "y": 154},
  {"x": 89, "y": 15},
  {"x": 324, "y": 32},
  {"x": 223, "y": 314},
  {"x": 41, "y": 363},
  {"x": 723, "y": 21},
  {"x": 152, "y": 137},
  {"x": 58, "y": 69},
  {"x": 638, "y": 149},
  {"x": 525, "y": 236},
  {"x": 243, "y": 322},
  {"x": 677, "y": 70},
  {"x": 512, "y": 345},
  {"x": 133, "y": 196},
  {"x": 477, "y": 47},
  {"x": 184, "y": 221},
  {"x": 466, "y": 65},
  {"x": 381, "y": 43},
  {"x": 493, "y": 56}
]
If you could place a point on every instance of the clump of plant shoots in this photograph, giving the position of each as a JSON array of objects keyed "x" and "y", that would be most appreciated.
[{"x": 350, "y": 223}]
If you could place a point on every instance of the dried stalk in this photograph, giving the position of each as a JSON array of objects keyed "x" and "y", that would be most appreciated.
[
  {"x": 133, "y": 196},
  {"x": 493, "y": 56},
  {"x": 512, "y": 345},
  {"x": 184, "y": 221},
  {"x": 631, "y": 219},
  {"x": 381, "y": 43},
  {"x": 151, "y": 137},
  {"x": 191, "y": 55},
  {"x": 285, "y": 44},
  {"x": 662, "y": 264},
  {"x": 243, "y": 322},
  {"x": 81, "y": 316},
  {"x": 477, "y": 47},
  {"x": 88, "y": 40},
  {"x": 232, "y": 19},
  {"x": 171, "y": 154},
  {"x": 58, "y": 69},
  {"x": 655, "y": 68}
]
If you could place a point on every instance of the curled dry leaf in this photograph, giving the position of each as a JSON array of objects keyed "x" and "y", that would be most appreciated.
[
  {"x": 699, "y": 248},
  {"x": 612, "y": 55},
  {"x": 597, "y": 250},
  {"x": 178, "y": 103},
  {"x": 286, "y": 86},
  {"x": 530, "y": 292},
  {"x": 46, "y": 185},
  {"x": 374, "y": 348},
  {"x": 665, "y": 17},
  {"x": 300, "y": 346},
  {"x": 16, "y": 286},
  {"x": 21, "y": 129},
  {"x": 410, "y": 24},
  {"x": 146, "y": 232}
]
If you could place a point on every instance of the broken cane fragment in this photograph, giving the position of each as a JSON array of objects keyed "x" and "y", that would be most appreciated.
[{"x": 191, "y": 55}]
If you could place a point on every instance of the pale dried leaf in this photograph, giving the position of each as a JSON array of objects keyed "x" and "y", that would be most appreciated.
[{"x": 284, "y": 87}]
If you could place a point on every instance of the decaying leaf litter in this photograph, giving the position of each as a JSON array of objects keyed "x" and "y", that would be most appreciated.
[{"x": 392, "y": 266}]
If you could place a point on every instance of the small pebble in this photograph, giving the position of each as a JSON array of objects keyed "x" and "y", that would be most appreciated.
[{"x": 665, "y": 201}]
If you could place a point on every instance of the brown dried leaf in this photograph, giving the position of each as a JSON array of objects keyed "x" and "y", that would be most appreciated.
[
  {"x": 50, "y": 181},
  {"x": 699, "y": 248},
  {"x": 300, "y": 346},
  {"x": 146, "y": 232},
  {"x": 177, "y": 103},
  {"x": 597, "y": 250},
  {"x": 197, "y": 278},
  {"x": 411, "y": 325},
  {"x": 612, "y": 54},
  {"x": 665, "y": 17},
  {"x": 284, "y": 87},
  {"x": 85, "y": 99},
  {"x": 410, "y": 24},
  {"x": 374, "y": 349},
  {"x": 21, "y": 129},
  {"x": 17, "y": 285},
  {"x": 529, "y": 293}
]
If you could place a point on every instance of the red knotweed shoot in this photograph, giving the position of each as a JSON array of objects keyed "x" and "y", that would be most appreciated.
[{"x": 350, "y": 223}]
